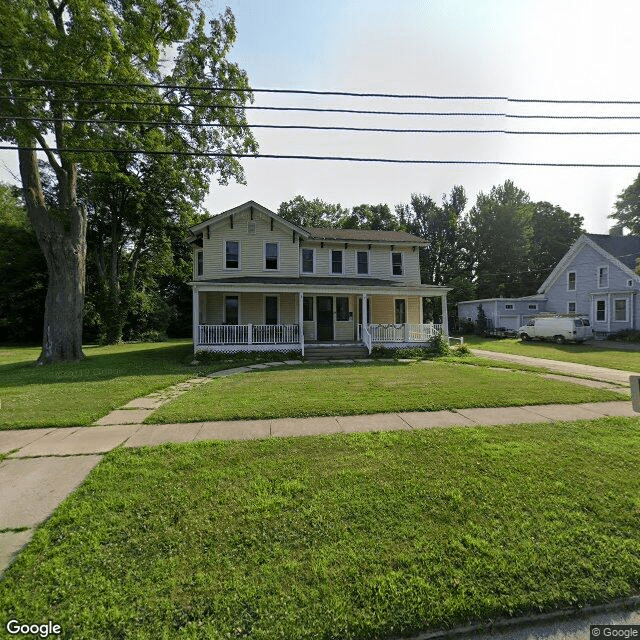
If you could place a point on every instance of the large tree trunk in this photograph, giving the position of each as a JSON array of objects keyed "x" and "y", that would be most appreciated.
[{"x": 61, "y": 234}]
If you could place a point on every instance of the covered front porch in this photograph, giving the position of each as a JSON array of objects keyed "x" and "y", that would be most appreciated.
[{"x": 261, "y": 317}]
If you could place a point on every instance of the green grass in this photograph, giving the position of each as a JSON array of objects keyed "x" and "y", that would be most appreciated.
[
  {"x": 60, "y": 395},
  {"x": 613, "y": 358},
  {"x": 364, "y": 536},
  {"x": 376, "y": 388}
]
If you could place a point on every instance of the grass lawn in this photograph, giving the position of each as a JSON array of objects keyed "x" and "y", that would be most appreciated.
[
  {"x": 72, "y": 394},
  {"x": 371, "y": 535},
  {"x": 375, "y": 388},
  {"x": 582, "y": 353}
]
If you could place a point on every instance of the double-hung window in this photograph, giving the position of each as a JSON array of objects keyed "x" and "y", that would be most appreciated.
[
  {"x": 271, "y": 310},
  {"x": 336, "y": 261},
  {"x": 401, "y": 311},
  {"x": 571, "y": 281},
  {"x": 362, "y": 259},
  {"x": 620, "y": 310},
  {"x": 199, "y": 262},
  {"x": 271, "y": 256},
  {"x": 603, "y": 277},
  {"x": 307, "y": 261},
  {"x": 601, "y": 311},
  {"x": 231, "y": 254},
  {"x": 307, "y": 309},
  {"x": 342, "y": 309},
  {"x": 396, "y": 263}
]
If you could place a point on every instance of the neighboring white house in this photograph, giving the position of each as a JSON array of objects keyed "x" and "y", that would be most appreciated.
[
  {"x": 261, "y": 283},
  {"x": 596, "y": 278}
]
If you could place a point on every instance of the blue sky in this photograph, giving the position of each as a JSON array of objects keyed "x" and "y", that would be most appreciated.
[{"x": 557, "y": 49}]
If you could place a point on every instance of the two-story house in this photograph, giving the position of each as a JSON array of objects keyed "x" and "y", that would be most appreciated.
[{"x": 261, "y": 283}]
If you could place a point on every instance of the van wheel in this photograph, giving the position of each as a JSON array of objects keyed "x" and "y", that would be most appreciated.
[
  {"x": 525, "y": 337},
  {"x": 558, "y": 339}
]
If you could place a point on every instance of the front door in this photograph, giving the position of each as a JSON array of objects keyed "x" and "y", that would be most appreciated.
[{"x": 325, "y": 318}]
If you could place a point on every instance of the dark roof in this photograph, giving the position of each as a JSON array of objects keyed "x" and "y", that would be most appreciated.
[
  {"x": 329, "y": 233},
  {"x": 311, "y": 280},
  {"x": 625, "y": 248}
]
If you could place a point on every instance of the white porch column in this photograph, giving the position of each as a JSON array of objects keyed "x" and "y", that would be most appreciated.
[
  {"x": 365, "y": 318},
  {"x": 301, "y": 319},
  {"x": 445, "y": 316},
  {"x": 196, "y": 316}
]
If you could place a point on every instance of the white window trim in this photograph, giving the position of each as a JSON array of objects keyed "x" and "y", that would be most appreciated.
[
  {"x": 224, "y": 307},
  {"x": 224, "y": 254},
  {"x": 313, "y": 260},
  {"x": 575, "y": 306},
  {"x": 264, "y": 255},
  {"x": 406, "y": 310},
  {"x": 331, "y": 271},
  {"x": 357, "y": 251},
  {"x": 602, "y": 266},
  {"x": 575, "y": 280},
  {"x": 626, "y": 310},
  {"x": 264, "y": 305},
  {"x": 595, "y": 309},
  {"x": 195, "y": 266},
  {"x": 395, "y": 275}
]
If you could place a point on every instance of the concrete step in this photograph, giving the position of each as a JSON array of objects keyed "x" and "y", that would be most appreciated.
[{"x": 347, "y": 352}]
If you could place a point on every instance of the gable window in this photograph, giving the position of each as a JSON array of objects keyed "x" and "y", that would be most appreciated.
[
  {"x": 336, "y": 262},
  {"x": 362, "y": 258},
  {"x": 271, "y": 310},
  {"x": 307, "y": 261},
  {"x": 533, "y": 307},
  {"x": 601, "y": 311},
  {"x": 571, "y": 307},
  {"x": 271, "y": 256},
  {"x": 231, "y": 310},
  {"x": 396, "y": 263},
  {"x": 199, "y": 262},
  {"x": 231, "y": 254},
  {"x": 571, "y": 281},
  {"x": 342, "y": 309},
  {"x": 401, "y": 311},
  {"x": 307, "y": 309},
  {"x": 603, "y": 277},
  {"x": 508, "y": 306},
  {"x": 620, "y": 310}
]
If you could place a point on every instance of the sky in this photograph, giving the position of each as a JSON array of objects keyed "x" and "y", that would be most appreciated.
[{"x": 536, "y": 49}]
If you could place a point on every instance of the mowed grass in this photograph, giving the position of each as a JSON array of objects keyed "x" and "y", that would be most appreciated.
[
  {"x": 59, "y": 395},
  {"x": 373, "y": 535},
  {"x": 611, "y": 357},
  {"x": 361, "y": 389}
]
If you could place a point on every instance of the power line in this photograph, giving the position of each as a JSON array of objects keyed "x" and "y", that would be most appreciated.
[
  {"x": 273, "y": 156},
  {"x": 357, "y": 94},
  {"x": 319, "y": 127}
]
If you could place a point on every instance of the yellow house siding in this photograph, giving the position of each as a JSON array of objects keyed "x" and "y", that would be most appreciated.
[{"x": 413, "y": 309}]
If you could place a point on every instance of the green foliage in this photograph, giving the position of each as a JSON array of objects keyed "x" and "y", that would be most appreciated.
[
  {"x": 242, "y": 358},
  {"x": 482, "y": 323},
  {"x": 461, "y": 350},
  {"x": 627, "y": 209},
  {"x": 626, "y": 335},
  {"x": 377, "y": 217},
  {"x": 311, "y": 213},
  {"x": 440, "y": 345}
]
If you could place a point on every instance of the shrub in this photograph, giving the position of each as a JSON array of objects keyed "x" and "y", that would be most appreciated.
[
  {"x": 440, "y": 345},
  {"x": 244, "y": 357},
  {"x": 626, "y": 335},
  {"x": 462, "y": 350}
]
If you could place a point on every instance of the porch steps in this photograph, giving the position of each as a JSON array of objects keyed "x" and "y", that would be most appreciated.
[{"x": 335, "y": 352}]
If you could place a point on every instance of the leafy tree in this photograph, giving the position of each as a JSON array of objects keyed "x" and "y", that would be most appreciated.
[
  {"x": 92, "y": 64},
  {"x": 627, "y": 209},
  {"x": 24, "y": 272},
  {"x": 377, "y": 217},
  {"x": 500, "y": 232},
  {"x": 311, "y": 213}
]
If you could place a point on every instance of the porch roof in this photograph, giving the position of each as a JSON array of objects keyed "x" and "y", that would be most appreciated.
[{"x": 310, "y": 284}]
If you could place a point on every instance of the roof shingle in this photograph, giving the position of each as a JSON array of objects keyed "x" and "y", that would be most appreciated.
[{"x": 624, "y": 248}]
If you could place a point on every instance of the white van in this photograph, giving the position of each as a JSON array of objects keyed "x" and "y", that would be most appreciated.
[{"x": 560, "y": 329}]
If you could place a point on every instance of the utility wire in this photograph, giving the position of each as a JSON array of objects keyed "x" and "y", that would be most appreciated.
[
  {"x": 320, "y": 127},
  {"x": 215, "y": 154},
  {"x": 404, "y": 96},
  {"x": 458, "y": 114}
]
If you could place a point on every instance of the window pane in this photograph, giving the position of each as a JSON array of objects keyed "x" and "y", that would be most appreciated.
[
  {"x": 200, "y": 268},
  {"x": 572, "y": 307},
  {"x": 336, "y": 262},
  {"x": 271, "y": 255},
  {"x": 363, "y": 262},
  {"x": 401, "y": 316},
  {"x": 396, "y": 263},
  {"x": 307, "y": 260},
  {"x": 603, "y": 276},
  {"x": 572, "y": 280},
  {"x": 342, "y": 309},
  {"x": 233, "y": 254},
  {"x": 620, "y": 310},
  {"x": 307, "y": 309},
  {"x": 600, "y": 311},
  {"x": 231, "y": 309},
  {"x": 271, "y": 310}
]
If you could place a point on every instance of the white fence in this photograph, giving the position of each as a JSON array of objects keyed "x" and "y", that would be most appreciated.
[
  {"x": 404, "y": 332},
  {"x": 213, "y": 334}
]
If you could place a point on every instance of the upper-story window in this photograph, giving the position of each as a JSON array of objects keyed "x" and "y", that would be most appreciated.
[
  {"x": 308, "y": 261},
  {"x": 533, "y": 307},
  {"x": 271, "y": 256},
  {"x": 231, "y": 254},
  {"x": 508, "y": 306},
  {"x": 336, "y": 261},
  {"x": 571, "y": 281},
  {"x": 396, "y": 263},
  {"x": 199, "y": 262},
  {"x": 362, "y": 259},
  {"x": 603, "y": 277}
]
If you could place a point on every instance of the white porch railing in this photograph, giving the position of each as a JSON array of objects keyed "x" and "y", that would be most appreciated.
[
  {"x": 404, "y": 332},
  {"x": 212, "y": 334}
]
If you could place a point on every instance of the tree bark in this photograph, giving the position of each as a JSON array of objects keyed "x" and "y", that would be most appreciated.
[{"x": 61, "y": 234}]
